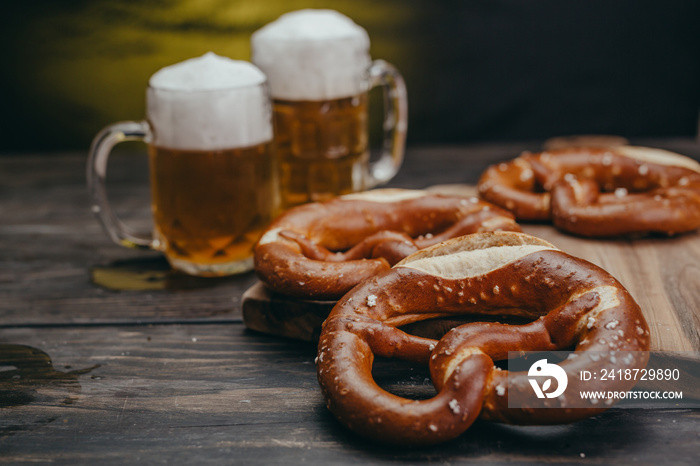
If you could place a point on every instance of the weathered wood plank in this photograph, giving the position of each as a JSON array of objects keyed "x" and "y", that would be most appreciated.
[
  {"x": 52, "y": 246},
  {"x": 215, "y": 392}
]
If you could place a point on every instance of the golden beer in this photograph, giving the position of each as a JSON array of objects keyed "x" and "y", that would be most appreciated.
[
  {"x": 210, "y": 206},
  {"x": 213, "y": 171},
  {"x": 319, "y": 71},
  {"x": 322, "y": 148}
]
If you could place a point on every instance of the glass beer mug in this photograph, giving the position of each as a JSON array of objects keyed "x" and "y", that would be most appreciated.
[
  {"x": 210, "y": 144},
  {"x": 319, "y": 70}
]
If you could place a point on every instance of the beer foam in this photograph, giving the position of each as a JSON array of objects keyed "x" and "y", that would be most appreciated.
[
  {"x": 312, "y": 55},
  {"x": 209, "y": 103},
  {"x": 208, "y": 72}
]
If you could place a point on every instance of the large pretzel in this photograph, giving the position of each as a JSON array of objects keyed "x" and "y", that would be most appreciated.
[
  {"x": 322, "y": 250},
  {"x": 600, "y": 191},
  {"x": 575, "y": 303}
]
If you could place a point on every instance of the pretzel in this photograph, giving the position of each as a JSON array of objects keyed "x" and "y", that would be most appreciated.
[
  {"x": 322, "y": 250},
  {"x": 599, "y": 191},
  {"x": 575, "y": 304}
]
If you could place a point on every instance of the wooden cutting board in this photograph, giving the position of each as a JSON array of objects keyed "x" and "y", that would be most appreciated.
[{"x": 662, "y": 274}]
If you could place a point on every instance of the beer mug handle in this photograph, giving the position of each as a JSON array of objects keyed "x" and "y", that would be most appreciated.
[
  {"x": 96, "y": 173},
  {"x": 395, "y": 124}
]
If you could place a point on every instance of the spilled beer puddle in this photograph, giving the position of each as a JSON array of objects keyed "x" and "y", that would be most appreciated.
[
  {"x": 27, "y": 376},
  {"x": 152, "y": 273}
]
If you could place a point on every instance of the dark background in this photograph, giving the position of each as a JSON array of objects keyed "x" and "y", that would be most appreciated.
[{"x": 476, "y": 70}]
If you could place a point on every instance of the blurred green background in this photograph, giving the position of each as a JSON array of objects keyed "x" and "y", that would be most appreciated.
[{"x": 475, "y": 70}]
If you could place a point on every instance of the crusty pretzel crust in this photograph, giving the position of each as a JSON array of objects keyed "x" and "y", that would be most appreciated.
[
  {"x": 572, "y": 304},
  {"x": 322, "y": 250},
  {"x": 599, "y": 191}
]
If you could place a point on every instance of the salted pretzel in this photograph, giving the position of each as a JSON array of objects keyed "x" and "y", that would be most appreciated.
[
  {"x": 599, "y": 191},
  {"x": 575, "y": 304},
  {"x": 321, "y": 250}
]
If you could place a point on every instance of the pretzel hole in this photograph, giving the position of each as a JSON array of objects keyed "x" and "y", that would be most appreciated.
[
  {"x": 403, "y": 378},
  {"x": 412, "y": 380},
  {"x": 538, "y": 186},
  {"x": 437, "y": 328}
]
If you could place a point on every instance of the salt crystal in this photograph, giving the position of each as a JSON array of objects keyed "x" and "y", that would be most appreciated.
[
  {"x": 612, "y": 324},
  {"x": 454, "y": 406}
]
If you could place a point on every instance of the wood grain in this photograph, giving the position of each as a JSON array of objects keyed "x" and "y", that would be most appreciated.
[{"x": 216, "y": 393}]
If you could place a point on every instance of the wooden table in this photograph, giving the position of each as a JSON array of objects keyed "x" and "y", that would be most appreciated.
[{"x": 108, "y": 357}]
